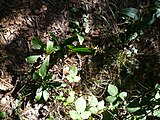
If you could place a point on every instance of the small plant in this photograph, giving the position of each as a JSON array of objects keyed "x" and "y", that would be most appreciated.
[
  {"x": 41, "y": 74},
  {"x": 85, "y": 109},
  {"x": 43, "y": 63},
  {"x": 113, "y": 97},
  {"x": 72, "y": 77}
]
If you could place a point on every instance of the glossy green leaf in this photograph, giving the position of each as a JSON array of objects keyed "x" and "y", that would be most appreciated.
[
  {"x": 80, "y": 39},
  {"x": 74, "y": 115},
  {"x": 131, "y": 12},
  {"x": 92, "y": 101},
  {"x": 38, "y": 94},
  {"x": 132, "y": 110},
  {"x": 80, "y": 49},
  {"x": 111, "y": 99},
  {"x": 69, "y": 41},
  {"x": 37, "y": 43},
  {"x": 85, "y": 114},
  {"x": 32, "y": 59},
  {"x": 45, "y": 95},
  {"x": 43, "y": 71},
  {"x": 43, "y": 68},
  {"x": 49, "y": 48},
  {"x": 123, "y": 95},
  {"x": 112, "y": 90},
  {"x": 80, "y": 105}
]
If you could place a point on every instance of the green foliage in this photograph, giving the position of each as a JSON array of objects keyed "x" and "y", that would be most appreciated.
[
  {"x": 131, "y": 12},
  {"x": 32, "y": 59},
  {"x": 80, "y": 39},
  {"x": 112, "y": 90},
  {"x": 70, "y": 98},
  {"x": 133, "y": 103},
  {"x": 72, "y": 77},
  {"x": 43, "y": 68},
  {"x": 84, "y": 109},
  {"x": 40, "y": 92},
  {"x": 49, "y": 47},
  {"x": 37, "y": 43},
  {"x": 80, "y": 49},
  {"x": 138, "y": 21},
  {"x": 42, "y": 74},
  {"x": 2, "y": 115},
  {"x": 137, "y": 108}
]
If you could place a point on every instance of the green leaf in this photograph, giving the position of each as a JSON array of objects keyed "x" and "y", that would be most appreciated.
[
  {"x": 85, "y": 114},
  {"x": 69, "y": 41},
  {"x": 111, "y": 99},
  {"x": 93, "y": 110},
  {"x": 43, "y": 68},
  {"x": 45, "y": 95},
  {"x": 74, "y": 115},
  {"x": 112, "y": 90},
  {"x": 80, "y": 49},
  {"x": 37, "y": 43},
  {"x": 32, "y": 59},
  {"x": 123, "y": 95},
  {"x": 80, "y": 39},
  {"x": 157, "y": 96},
  {"x": 49, "y": 48},
  {"x": 80, "y": 105},
  {"x": 36, "y": 76},
  {"x": 38, "y": 94},
  {"x": 157, "y": 87},
  {"x": 54, "y": 37},
  {"x": 132, "y": 110},
  {"x": 70, "y": 99},
  {"x": 131, "y": 12},
  {"x": 73, "y": 70},
  {"x": 2, "y": 115},
  {"x": 43, "y": 71},
  {"x": 92, "y": 101}
]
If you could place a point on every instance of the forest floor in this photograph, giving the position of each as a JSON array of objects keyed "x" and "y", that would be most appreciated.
[{"x": 21, "y": 20}]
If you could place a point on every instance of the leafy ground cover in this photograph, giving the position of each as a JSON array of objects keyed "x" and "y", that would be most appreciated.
[{"x": 67, "y": 59}]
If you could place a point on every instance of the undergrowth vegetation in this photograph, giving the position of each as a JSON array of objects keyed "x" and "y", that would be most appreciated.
[{"x": 130, "y": 89}]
